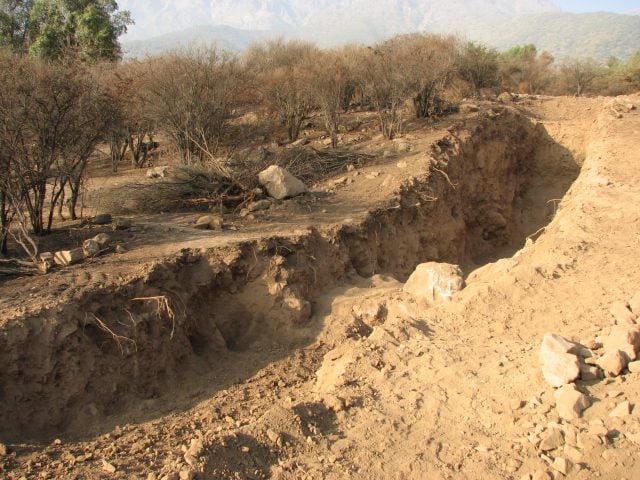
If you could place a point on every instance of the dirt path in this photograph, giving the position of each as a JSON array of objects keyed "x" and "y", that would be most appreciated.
[{"x": 375, "y": 385}]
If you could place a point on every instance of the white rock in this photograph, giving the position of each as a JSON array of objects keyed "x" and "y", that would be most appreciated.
[
  {"x": 634, "y": 367},
  {"x": 570, "y": 403},
  {"x": 560, "y": 369},
  {"x": 69, "y": 257},
  {"x": 555, "y": 343},
  {"x": 158, "y": 172},
  {"x": 435, "y": 282},
  {"x": 613, "y": 363},
  {"x": 281, "y": 184},
  {"x": 625, "y": 338}
]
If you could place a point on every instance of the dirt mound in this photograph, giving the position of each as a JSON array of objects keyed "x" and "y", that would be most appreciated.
[{"x": 298, "y": 353}]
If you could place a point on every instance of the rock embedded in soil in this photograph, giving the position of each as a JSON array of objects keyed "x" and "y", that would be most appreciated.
[
  {"x": 91, "y": 248},
  {"x": 634, "y": 367},
  {"x": 562, "y": 465},
  {"x": 622, "y": 313},
  {"x": 552, "y": 439},
  {"x": 103, "y": 240},
  {"x": 613, "y": 363},
  {"x": 280, "y": 184},
  {"x": 435, "y": 282},
  {"x": 622, "y": 410},
  {"x": 570, "y": 403},
  {"x": 102, "y": 219},
  {"x": 122, "y": 224},
  {"x": 209, "y": 222}
]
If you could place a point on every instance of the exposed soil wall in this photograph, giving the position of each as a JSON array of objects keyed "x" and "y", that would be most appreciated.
[{"x": 488, "y": 188}]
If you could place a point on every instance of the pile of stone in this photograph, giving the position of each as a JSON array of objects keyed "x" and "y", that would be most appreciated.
[{"x": 564, "y": 362}]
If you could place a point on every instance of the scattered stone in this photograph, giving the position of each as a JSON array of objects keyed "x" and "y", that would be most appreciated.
[
  {"x": 69, "y": 257},
  {"x": 402, "y": 146},
  {"x": 120, "y": 249},
  {"x": 158, "y": 172},
  {"x": 505, "y": 97},
  {"x": 560, "y": 369},
  {"x": 570, "y": 402},
  {"x": 622, "y": 410},
  {"x": 121, "y": 224},
  {"x": 634, "y": 367},
  {"x": 554, "y": 343},
  {"x": 4, "y": 450},
  {"x": 152, "y": 476},
  {"x": 573, "y": 453},
  {"x": 435, "y": 282},
  {"x": 402, "y": 164},
  {"x": 613, "y": 363},
  {"x": 588, "y": 441},
  {"x": 551, "y": 440},
  {"x": 280, "y": 183},
  {"x": 274, "y": 437},
  {"x": 102, "y": 219},
  {"x": 209, "y": 222},
  {"x": 625, "y": 338},
  {"x": 108, "y": 467},
  {"x": 103, "y": 240},
  {"x": 622, "y": 314},
  {"x": 259, "y": 205},
  {"x": 469, "y": 108},
  {"x": 562, "y": 465},
  {"x": 196, "y": 447},
  {"x": 91, "y": 248}
]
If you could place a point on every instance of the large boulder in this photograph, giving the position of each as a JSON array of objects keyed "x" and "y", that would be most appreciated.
[
  {"x": 435, "y": 282},
  {"x": 281, "y": 184}
]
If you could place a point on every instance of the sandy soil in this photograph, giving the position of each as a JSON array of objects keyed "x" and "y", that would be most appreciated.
[{"x": 293, "y": 351}]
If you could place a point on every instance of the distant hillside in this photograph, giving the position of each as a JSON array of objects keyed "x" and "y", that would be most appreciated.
[
  {"x": 597, "y": 35},
  {"x": 227, "y": 38}
]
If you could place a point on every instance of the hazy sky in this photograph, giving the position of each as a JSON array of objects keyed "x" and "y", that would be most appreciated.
[{"x": 598, "y": 5}]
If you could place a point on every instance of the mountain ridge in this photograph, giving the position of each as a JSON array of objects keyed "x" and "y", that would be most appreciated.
[{"x": 330, "y": 23}]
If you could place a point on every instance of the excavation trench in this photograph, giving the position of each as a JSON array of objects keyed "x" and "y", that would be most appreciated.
[{"x": 494, "y": 181}]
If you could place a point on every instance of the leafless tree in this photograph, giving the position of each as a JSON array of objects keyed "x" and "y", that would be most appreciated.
[
  {"x": 330, "y": 82},
  {"x": 192, "y": 96},
  {"x": 53, "y": 118},
  {"x": 283, "y": 77}
]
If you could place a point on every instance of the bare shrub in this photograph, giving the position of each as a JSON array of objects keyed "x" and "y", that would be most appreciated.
[
  {"x": 282, "y": 75},
  {"x": 192, "y": 96},
  {"x": 53, "y": 117}
]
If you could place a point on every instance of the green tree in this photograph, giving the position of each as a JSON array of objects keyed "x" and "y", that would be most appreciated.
[
  {"x": 14, "y": 24},
  {"x": 50, "y": 28}
]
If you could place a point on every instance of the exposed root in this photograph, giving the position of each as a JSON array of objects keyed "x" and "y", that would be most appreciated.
[
  {"x": 163, "y": 309},
  {"x": 117, "y": 338}
]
